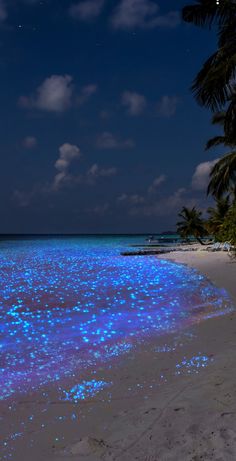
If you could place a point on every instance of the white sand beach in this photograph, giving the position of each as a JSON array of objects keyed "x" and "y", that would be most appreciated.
[
  {"x": 188, "y": 417},
  {"x": 162, "y": 407},
  {"x": 216, "y": 265}
]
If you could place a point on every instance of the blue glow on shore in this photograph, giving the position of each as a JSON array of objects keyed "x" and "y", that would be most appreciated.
[
  {"x": 68, "y": 305},
  {"x": 85, "y": 390},
  {"x": 193, "y": 365}
]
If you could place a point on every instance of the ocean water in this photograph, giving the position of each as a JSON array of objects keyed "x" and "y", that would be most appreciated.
[{"x": 70, "y": 304}]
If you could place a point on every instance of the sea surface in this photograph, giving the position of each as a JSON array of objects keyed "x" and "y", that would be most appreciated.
[{"x": 69, "y": 304}]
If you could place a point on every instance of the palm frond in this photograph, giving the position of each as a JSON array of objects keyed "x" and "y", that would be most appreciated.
[
  {"x": 214, "y": 86},
  {"x": 223, "y": 175},
  {"x": 205, "y": 13},
  {"x": 218, "y": 212},
  {"x": 192, "y": 224},
  {"x": 218, "y": 118},
  {"x": 227, "y": 31},
  {"x": 216, "y": 141},
  {"x": 230, "y": 120}
]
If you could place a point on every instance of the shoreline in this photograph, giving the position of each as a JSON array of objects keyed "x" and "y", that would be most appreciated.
[
  {"x": 216, "y": 266},
  {"x": 172, "y": 400},
  {"x": 190, "y": 416}
]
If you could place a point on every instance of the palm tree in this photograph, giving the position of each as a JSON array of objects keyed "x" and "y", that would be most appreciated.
[
  {"x": 191, "y": 224},
  {"x": 217, "y": 215},
  {"x": 206, "y": 13},
  {"x": 228, "y": 227},
  {"x": 214, "y": 85},
  {"x": 223, "y": 176},
  {"x": 228, "y": 138}
]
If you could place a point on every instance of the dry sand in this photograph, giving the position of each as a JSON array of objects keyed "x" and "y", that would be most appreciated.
[{"x": 152, "y": 414}]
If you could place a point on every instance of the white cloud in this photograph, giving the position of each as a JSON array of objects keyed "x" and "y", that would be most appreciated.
[
  {"x": 169, "y": 20},
  {"x": 108, "y": 141},
  {"x": 29, "y": 142},
  {"x": 132, "y": 199},
  {"x": 167, "y": 106},
  {"x": 67, "y": 153},
  {"x": 86, "y": 10},
  {"x": 137, "y": 202},
  {"x": 134, "y": 102},
  {"x": 131, "y": 14},
  {"x": 86, "y": 93},
  {"x": 156, "y": 183},
  {"x": 165, "y": 206},
  {"x": 53, "y": 95},
  {"x": 148, "y": 205},
  {"x": 173, "y": 202},
  {"x": 200, "y": 177},
  {"x": 59, "y": 179},
  {"x": 95, "y": 172}
]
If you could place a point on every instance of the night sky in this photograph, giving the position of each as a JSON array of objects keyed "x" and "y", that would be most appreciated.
[{"x": 99, "y": 131}]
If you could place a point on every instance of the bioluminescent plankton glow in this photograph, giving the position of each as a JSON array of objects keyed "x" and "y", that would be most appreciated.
[
  {"x": 85, "y": 390},
  {"x": 68, "y": 304},
  {"x": 193, "y": 365}
]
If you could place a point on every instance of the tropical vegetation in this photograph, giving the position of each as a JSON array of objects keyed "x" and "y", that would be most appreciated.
[
  {"x": 214, "y": 85},
  {"x": 215, "y": 88},
  {"x": 217, "y": 216},
  {"x": 192, "y": 224},
  {"x": 227, "y": 230},
  {"x": 223, "y": 174}
]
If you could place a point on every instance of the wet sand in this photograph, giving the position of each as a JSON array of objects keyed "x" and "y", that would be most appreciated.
[{"x": 173, "y": 399}]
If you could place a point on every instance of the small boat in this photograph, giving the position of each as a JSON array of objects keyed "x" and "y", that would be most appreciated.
[{"x": 152, "y": 239}]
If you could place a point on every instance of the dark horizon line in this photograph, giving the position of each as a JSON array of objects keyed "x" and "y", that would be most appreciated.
[{"x": 81, "y": 234}]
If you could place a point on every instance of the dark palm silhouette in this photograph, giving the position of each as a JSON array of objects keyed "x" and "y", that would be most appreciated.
[
  {"x": 217, "y": 215},
  {"x": 215, "y": 88},
  {"x": 223, "y": 174},
  {"x": 223, "y": 177},
  {"x": 192, "y": 224},
  {"x": 228, "y": 138},
  {"x": 214, "y": 85}
]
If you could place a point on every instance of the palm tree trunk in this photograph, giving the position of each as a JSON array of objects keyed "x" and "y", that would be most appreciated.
[{"x": 200, "y": 241}]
